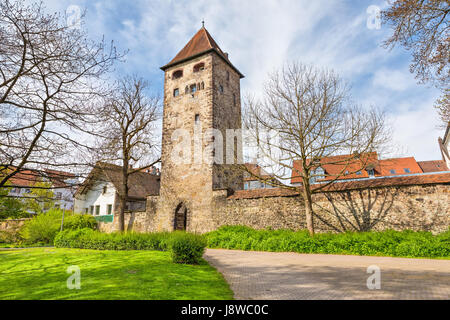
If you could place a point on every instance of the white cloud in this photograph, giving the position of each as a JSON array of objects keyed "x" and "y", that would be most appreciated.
[{"x": 395, "y": 80}]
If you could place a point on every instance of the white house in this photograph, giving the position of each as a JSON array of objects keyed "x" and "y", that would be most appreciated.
[
  {"x": 444, "y": 144},
  {"x": 99, "y": 193}
]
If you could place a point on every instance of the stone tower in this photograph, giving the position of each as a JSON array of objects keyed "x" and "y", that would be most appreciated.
[{"x": 201, "y": 105}]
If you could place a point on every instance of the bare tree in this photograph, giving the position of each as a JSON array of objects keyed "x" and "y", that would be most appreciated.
[
  {"x": 306, "y": 115},
  {"x": 129, "y": 118},
  {"x": 50, "y": 76},
  {"x": 422, "y": 26},
  {"x": 443, "y": 107}
]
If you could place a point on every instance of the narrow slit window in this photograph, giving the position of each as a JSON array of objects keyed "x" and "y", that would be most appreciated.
[
  {"x": 193, "y": 88},
  {"x": 177, "y": 74},
  {"x": 197, "y": 119}
]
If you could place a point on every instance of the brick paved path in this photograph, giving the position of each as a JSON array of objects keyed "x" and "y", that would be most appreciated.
[{"x": 291, "y": 276}]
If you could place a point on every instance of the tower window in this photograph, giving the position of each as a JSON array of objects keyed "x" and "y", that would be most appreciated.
[
  {"x": 197, "y": 119},
  {"x": 186, "y": 90},
  {"x": 193, "y": 88},
  {"x": 234, "y": 99},
  {"x": 177, "y": 74},
  {"x": 203, "y": 86},
  {"x": 176, "y": 92},
  {"x": 199, "y": 67},
  {"x": 221, "y": 89},
  {"x": 228, "y": 76}
]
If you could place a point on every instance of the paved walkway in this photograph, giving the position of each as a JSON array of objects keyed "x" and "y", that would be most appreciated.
[{"x": 291, "y": 276}]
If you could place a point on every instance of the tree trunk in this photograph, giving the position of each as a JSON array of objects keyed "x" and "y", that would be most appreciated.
[
  {"x": 121, "y": 214},
  {"x": 308, "y": 210}
]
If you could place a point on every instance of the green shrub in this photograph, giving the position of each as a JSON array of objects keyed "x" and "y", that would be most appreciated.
[
  {"x": 78, "y": 221},
  {"x": 187, "y": 248},
  {"x": 43, "y": 228},
  {"x": 386, "y": 243}
]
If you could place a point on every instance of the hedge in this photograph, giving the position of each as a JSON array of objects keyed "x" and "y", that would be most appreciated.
[
  {"x": 184, "y": 247},
  {"x": 386, "y": 243}
]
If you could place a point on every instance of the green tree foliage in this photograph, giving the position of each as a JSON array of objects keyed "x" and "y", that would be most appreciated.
[
  {"x": 41, "y": 198},
  {"x": 11, "y": 208}
]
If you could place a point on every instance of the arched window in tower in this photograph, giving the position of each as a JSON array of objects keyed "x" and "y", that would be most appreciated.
[
  {"x": 176, "y": 92},
  {"x": 193, "y": 88},
  {"x": 177, "y": 74},
  {"x": 199, "y": 67}
]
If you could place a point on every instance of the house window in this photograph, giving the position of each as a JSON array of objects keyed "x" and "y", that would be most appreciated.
[
  {"x": 177, "y": 74},
  {"x": 393, "y": 171},
  {"x": 407, "y": 170},
  {"x": 246, "y": 186},
  {"x": 193, "y": 88},
  {"x": 199, "y": 67},
  {"x": 97, "y": 210},
  {"x": 92, "y": 210},
  {"x": 228, "y": 76},
  {"x": 86, "y": 210},
  {"x": 58, "y": 196},
  {"x": 109, "y": 210},
  {"x": 176, "y": 92},
  {"x": 359, "y": 173},
  {"x": 105, "y": 188},
  {"x": 197, "y": 119}
]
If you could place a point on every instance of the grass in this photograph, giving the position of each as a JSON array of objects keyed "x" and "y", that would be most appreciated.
[{"x": 40, "y": 274}]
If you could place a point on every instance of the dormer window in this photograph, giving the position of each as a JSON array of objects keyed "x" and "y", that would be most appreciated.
[
  {"x": 199, "y": 67},
  {"x": 177, "y": 74},
  {"x": 407, "y": 170},
  {"x": 371, "y": 172}
]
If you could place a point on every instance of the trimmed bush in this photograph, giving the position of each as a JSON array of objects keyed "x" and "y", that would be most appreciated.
[
  {"x": 386, "y": 243},
  {"x": 185, "y": 248}
]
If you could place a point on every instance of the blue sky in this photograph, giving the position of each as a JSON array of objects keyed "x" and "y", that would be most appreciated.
[{"x": 261, "y": 35}]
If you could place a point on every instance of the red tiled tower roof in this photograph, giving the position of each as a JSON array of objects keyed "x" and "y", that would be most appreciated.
[{"x": 200, "y": 44}]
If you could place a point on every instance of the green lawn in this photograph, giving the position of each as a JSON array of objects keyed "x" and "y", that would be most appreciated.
[{"x": 40, "y": 274}]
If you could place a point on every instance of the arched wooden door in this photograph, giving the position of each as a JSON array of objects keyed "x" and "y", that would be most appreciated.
[{"x": 180, "y": 222}]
